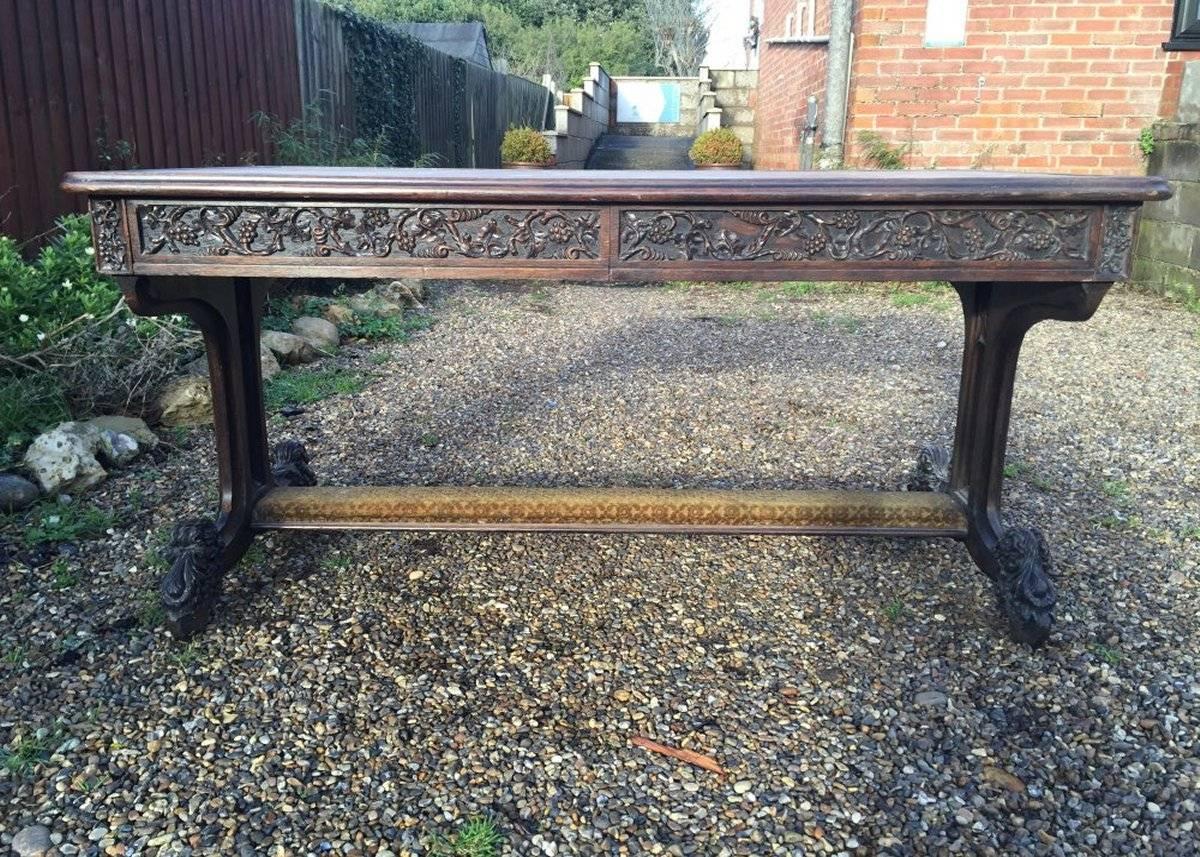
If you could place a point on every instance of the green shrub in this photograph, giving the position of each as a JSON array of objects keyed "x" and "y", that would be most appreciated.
[
  {"x": 28, "y": 403},
  {"x": 59, "y": 290},
  {"x": 525, "y": 146},
  {"x": 309, "y": 142},
  {"x": 67, "y": 336},
  {"x": 717, "y": 146}
]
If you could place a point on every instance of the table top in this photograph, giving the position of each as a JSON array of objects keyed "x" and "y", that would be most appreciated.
[{"x": 954, "y": 187}]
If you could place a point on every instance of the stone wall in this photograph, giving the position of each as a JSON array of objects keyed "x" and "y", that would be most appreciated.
[
  {"x": 734, "y": 95},
  {"x": 580, "y": 117},
  {"x": 1167, "y": 256}
]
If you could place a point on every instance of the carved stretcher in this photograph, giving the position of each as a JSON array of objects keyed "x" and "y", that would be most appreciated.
[{"x": 1018, "y": 248}]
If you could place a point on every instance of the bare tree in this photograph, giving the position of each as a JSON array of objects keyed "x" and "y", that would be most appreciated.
[{"x": 680, "y": 31}]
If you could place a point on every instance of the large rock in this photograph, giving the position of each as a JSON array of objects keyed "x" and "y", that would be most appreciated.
[
  {"x": 288, "y": 347},
  {"x": 319, "y": 333},
  {"x": 371, "y": 305},
  {"x": 67, "y": 458},
  {"x": 406, "y": 292},
  {"x": 338, "y": 313},
  {"x": 269, "y": 365},
  {"x": 132, "y": 426},
  {"x": 16, "y": 493},
  {"x": 32, "y": 841},
  {"x": 186, "y": 401}
]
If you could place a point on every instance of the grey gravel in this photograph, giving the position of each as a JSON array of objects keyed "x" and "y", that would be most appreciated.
[{"x": 363, "y": 693}]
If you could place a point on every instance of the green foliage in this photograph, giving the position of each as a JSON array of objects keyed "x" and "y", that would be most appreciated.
[
  {"x": 894, "y": 610},
  {"x": 60, "y": 288},
  {"x": 24, "y": 754},
  {"x": 374, "y": 328},
  {"x": 64, "y": 576},
  {"x": 880, "y": 154},
  {"x": 525, "y": 145},
  {"x": 303, "y": 387},
  {"x": 52, "y": 522},
  {"x": 309, "y": 141},
  {"x": 716, "y": 146},
  {"x": 68, "y": 341},
  {"x": 383, "y": 65},
  {"x": 1146, "y": 142},
  {"x": 477, "y": 838},
  {"x": 28, "y": 403},
  {"x": 536, "y": 37}
]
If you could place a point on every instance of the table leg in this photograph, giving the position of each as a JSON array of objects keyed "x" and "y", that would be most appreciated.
[
  {"x": 997, "y": 316},
  {"x": 228, "y": 313}
]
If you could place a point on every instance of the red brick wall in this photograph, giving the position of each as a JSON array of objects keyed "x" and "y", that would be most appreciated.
[
  {"x": 1066, "y": 86},
  {"x": 787, "y": 75}
]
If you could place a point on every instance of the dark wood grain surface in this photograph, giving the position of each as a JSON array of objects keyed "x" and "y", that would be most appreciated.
[{"x": 618, "y": 186}]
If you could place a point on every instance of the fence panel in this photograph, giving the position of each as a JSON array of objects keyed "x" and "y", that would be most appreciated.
[{"x": 176, "y": 80}]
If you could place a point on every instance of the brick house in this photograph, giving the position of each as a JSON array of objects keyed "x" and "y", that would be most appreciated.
[{"x": 998, "y": 84}]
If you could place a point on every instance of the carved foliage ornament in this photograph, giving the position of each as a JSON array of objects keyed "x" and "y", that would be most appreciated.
[
  {"x": 856, "y": 235},
  {"x": 1117, "y": 240},
  {"x": 108, "y": 229},
  {"x": 428, "y": 233}
]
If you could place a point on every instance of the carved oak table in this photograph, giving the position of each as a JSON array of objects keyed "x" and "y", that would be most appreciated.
[{"x": 1018, "y": 248}]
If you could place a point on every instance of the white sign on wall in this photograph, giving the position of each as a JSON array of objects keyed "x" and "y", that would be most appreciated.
[
  {"x": 945, "y": 23},
  {"x": 647, "y": 101}
]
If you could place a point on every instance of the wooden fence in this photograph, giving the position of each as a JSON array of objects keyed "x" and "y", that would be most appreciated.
[{"x": 91, "y": 84}]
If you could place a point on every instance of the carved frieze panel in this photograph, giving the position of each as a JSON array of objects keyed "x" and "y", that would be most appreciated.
[
  {"x": 108, "y": 236},
  {"x": 1116, "y": 241},
  {"x": 856, "y": 235},
  {"x": 420, "y": 232}
]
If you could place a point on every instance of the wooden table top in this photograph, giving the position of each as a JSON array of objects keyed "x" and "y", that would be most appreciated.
[{"x": 619, "y": 186}]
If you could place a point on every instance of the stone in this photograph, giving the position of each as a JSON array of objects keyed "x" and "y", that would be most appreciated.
[
  {"x": 32, "y": 841},
  {"x": 742, "y": 786},
  {"x": 16, "y": 492},
  {"x": 269, "y": 365},
  {"x": 931, "y": 698},
  {"x": 115, "y": 448},
  {"x": 64, "y": 458},
  {"x": 133, "y": 426},
  {"x": 317, "y": 332},
  {"x": 371, "y": 305},
  {"x": 338, "y": 313},
  {"x": 186, "y": 401},
  {"x": 1188, "y": 112},
  {"x": 291, "y": 349},
  {"x": 406, "y": 292},
  {"x": 622, "y": 695}
]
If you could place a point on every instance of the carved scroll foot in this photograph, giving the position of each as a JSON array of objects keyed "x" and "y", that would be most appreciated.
[
  {"x": 932, "y": 472},
  {"x": 192, "y": 585},
  {"x": 289, "y": 465},
  {"x": 1023, "y": 583}
]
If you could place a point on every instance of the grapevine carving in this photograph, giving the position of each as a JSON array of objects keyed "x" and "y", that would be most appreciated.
[
  {"x": 1117, "y": 242},
  {"x": 856, "y": 235},
  {"x": 112, "y": 254},
  {"x": 429, "y": 233}
]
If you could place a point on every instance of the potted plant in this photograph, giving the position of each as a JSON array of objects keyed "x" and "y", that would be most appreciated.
[
  {"x": 525, "y": 149},
  {"x": 717, "y": 149}
]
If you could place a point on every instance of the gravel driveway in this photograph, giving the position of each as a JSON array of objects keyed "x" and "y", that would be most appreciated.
[{"x": 365, "y": 693}]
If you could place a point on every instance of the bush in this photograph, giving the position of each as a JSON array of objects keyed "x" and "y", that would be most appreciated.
[
  {"x": 68, "y": 341},
  {"x": 718, "y": 146},
  {"x": 525, "y": 145},
  {"x": 309, "y": 142}
]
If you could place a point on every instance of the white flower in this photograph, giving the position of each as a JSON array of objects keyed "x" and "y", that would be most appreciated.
[
  {"x": 91, "y": 251},
  {"x": 131, "y": 322},
  {"x": 41, "y": 336},
  {"x": 22, "y": 318},
  {"x": 66, "y": 284}
]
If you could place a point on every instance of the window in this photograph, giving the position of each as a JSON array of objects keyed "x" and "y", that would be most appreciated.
[{"x": 1185, "y": 32}]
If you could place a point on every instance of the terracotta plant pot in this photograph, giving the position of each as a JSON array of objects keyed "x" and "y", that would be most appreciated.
[{"x": 527, "y": 165}]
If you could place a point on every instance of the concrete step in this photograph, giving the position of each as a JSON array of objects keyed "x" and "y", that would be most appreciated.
[{"x": 620, "y": 152}]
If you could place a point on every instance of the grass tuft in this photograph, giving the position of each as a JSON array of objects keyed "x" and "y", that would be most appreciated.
[
  {"x": 477, "y": 838},
  {"x": 300, "y": 387}
]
